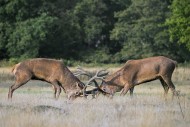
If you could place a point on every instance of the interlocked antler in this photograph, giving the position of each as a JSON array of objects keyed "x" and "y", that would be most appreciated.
[{"x": 99, "y": 75}]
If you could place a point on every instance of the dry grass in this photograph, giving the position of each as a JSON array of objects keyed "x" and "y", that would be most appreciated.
[
  {"x": 33, "y": 105},
  {"x": 40, "y": 110}
]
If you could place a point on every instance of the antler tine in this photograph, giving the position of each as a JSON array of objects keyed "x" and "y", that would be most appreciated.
[
  {"x": 97, "y": 76},
  {"x": 103, "y": 73},
  {"x": 91, "y": 86},
  {"x": 78, "y": 74},
  {"x": 81, "y": 71}
]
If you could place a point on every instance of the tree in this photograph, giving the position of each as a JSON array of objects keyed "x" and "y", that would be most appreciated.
[
  {"x": 96, "y": 19},
  {"x": 28, "y": 35},
  {"x": 141, "y": 32},
  {"x": 179, "y": 22},
  {"x": 90, "y": 19},
  {"x": 100, "y": 31},
  {"x": 24, "y": 24}
]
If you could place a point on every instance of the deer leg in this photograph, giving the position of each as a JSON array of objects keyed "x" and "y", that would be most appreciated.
[
  {"x": 165, "y": 86},
  {"x": 125, "y": 89},
  {"x": 12, "y": 89},
  {"x": 57, "y": 89},
  {"x": 170, "y": 84},
  {"x": 20, "y": 80},
  {"x": 131, "y": 91}
]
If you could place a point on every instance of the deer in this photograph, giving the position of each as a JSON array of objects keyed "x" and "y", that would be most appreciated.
[
  {"x": 136, "y": 72},
  {"x": 48, "y": 70}
]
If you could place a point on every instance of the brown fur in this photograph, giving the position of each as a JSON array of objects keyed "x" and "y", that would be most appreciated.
[
  {"x": 49, "y": 70},
  {"x": 136, "y": 72}
]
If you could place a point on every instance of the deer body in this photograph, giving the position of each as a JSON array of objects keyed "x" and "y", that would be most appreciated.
[
  {"x": 136, "y": 72},
  {"x": 49, "y": 70}
]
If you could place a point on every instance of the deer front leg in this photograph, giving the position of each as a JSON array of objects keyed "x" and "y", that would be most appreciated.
[
  {"x": 57, "y": 89},
  {"x": 131, "y": 91},
  {"x": 125, "y": 89}
]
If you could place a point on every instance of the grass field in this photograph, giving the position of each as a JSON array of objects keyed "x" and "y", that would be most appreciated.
[{"x": 33, "y": 106}]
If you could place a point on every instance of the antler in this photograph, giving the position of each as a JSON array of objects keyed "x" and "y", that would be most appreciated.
[
  {"x": 99, "y": 75},
  {"x": 81, "y": 71}
]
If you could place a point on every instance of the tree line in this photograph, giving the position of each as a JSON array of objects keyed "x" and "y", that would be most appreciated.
[{"x": 95, "y": 31}]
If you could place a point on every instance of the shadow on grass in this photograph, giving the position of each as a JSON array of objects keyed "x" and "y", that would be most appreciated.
[
  {"x": 44, "y": 108},
  {"x": 39, "y": 108}
]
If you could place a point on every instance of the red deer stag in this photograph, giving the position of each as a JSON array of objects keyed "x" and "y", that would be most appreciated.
[
  {"x": 49, "y": 70},
  {"x": 136, "y": 72}
]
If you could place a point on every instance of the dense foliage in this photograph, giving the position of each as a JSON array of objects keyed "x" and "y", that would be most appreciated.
[
  {"x": 179, "y": 22},
  {"x": 94, "y": 31}
]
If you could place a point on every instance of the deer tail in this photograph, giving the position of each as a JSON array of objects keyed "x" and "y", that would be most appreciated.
[{"x": 13, "y": 68}]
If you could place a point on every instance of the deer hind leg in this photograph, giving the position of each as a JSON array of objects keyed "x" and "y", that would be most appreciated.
[
  {"x": 57, "y": 89},
  {"x": 167, "y": 80},
  {"x": 165, "y": 86},
  {"x": 20, "y": 80}
]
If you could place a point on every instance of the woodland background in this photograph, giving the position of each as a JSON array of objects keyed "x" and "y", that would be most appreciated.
[{"x": 94, "y": 31}]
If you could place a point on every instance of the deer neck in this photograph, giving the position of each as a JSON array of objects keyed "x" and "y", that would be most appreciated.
[
  {"x": 69, "y": 81},
  {"x": 115, "y": 79}
]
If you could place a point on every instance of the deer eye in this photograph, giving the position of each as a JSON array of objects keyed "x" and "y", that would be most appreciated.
[{"x": 77, "y": 93}]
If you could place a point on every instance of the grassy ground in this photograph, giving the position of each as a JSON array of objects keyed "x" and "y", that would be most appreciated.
[{"x": 33, "y": 105}]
